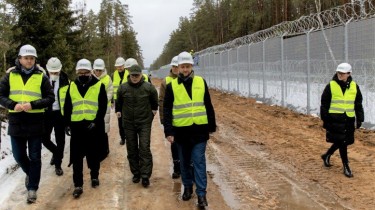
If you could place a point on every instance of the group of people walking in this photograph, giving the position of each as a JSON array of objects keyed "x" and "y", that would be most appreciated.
[{"x": 40, "y": 101}]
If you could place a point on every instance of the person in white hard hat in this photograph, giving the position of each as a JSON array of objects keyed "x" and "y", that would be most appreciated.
[
  {"x": 189, "y": 117},
  {"x": 100, "y": 72},
  {"x": 173, "y": 73},
  {"x": 131, "y": 62},
  {"x": 84, "y": 111},
  {"x": 119, "y": 77},
  {"x": 26, "y": 92},
  {"x": 54, "y": 114},
  {"x": 341, "y": 111}
]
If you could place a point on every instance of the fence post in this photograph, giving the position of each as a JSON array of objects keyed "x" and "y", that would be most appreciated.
[
  {"x": 214, "y": 70},
  {"x": 346, "y": 38},
  {"x": 264, "y": 70},
  {"x": 221, "y": 71},
  {"x": 228, "y": 71},
  {"x": 282, "y": 72},
  {"x": 308, "y": 71},
  {"x": 248, "y": 60},
  {"x": 238, "y": 71}
]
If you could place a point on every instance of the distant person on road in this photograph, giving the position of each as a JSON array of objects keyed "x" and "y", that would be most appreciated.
[
  {"x": 173, "y": 73},
  {"x": 341, "y": 111},
  {"x": 119, "y": 77},
  {"x": 84, "y": 111},
  {"x": 26, "y": 92},
  {"x": 54, "y": 113},
  {"x": 136, "y": 105},
  {"x": 100, "y": 72},
  {"x": 189, "y": 117}
]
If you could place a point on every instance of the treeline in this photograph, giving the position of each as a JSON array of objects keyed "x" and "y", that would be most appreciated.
[
  {"x": 58, "y": 29},
  {"x": 215, "y": 22}
]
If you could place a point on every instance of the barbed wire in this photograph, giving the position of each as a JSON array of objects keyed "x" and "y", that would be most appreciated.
[{"x": 357, "y": 10}]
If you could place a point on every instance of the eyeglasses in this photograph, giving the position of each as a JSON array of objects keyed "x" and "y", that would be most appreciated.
[
  {"x": 341, "y": 73},
  {"x": 135, "y": 75}
]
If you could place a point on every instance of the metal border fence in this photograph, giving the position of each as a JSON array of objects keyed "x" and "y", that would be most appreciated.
[{"x": 290, "y": 64}]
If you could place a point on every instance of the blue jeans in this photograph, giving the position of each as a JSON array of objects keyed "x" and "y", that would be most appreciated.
[
  {"x": 195, "y": 153},
  {"x": 31, "y": 164}
]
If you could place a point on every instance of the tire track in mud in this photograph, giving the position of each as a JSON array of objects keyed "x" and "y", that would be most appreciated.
[
  {"x": 262, "y": 182},
  {"x": 273, "y": 180}
]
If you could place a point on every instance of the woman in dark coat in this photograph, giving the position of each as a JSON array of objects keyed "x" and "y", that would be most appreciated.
[{"x": 341, "y": 111}]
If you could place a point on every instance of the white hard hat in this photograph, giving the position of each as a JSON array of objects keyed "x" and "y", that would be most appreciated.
[
  {"x": 27, "y": 50},
  {"x": 83, "y": 64},
  {"x": 120, "y": 61},
  {"x": 174, "y": 61},
  {"x": 185, "y": 57},
  {"x": 54, "y": 65},
  {"x": 130, "y": 62},
  {"x": 344, "y": 68},
  {"x": 99, "y": 64}
]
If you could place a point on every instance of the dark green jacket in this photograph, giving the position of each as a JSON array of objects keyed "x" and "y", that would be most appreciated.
[{"x": 136, "y": 102}]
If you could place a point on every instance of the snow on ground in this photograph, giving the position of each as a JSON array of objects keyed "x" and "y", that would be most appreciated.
[{"x": 10, "y": 173}]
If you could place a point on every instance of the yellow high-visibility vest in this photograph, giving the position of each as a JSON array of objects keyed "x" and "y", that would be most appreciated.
[
  {"x": 62, "y": 94},
  {"x": 25, "y": 93},
  {"x": 105, "y": 80},
  {"x": 84, "y": 108},
  {"x": 146, "y": 78},
  {"x": 343, "y": 103},
  {"x": 187, "y": 111},
  {"x": 169, "y": 79},
  {"x": 116, "y": 81}
]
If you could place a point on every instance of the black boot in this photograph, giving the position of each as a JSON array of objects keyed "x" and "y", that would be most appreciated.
[
  {"x": 187, "y": 193},
  {"x": 347, "y": 171},
  {"x": 202, "y": 201},
  {"x": 176, "y": 169},
  {"x": 326, "y": 158}
]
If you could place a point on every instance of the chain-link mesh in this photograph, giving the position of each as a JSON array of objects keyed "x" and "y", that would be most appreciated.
[{"x": 290, "y": 64}]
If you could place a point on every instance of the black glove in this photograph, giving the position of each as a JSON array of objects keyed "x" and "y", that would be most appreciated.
[
  {"x": 91, "y": 126},
  {"x": 67, "y": 131},
  {"x": 359, "y": 124}
]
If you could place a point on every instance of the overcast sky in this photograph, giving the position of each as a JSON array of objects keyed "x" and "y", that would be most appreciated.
[{"x": 153, "y": 20}]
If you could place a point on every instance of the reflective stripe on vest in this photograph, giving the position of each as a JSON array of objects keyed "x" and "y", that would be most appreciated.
[
  {"x": 116, "y": 81},
  {"x": 87, "y": 107},
  {"x": 343, "y": 103},
  {"x": 62, "y": 94},
  {"x": 187, "y": 111},
  {"x": 25, "y": 93}
]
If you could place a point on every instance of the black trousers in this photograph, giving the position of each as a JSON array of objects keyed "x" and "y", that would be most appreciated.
[
  {"x": 121, "y": 129},
  {"x": 85, "y": 143},
  {"x": 343, "y": 148},
  {"x": 55, "y": 121}
]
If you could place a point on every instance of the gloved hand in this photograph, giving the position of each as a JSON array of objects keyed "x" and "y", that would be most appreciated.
[
  {"x": 359, "y": 124},
  {"x": 91, "y": 126},
  {"x": 67, "y": 131}
]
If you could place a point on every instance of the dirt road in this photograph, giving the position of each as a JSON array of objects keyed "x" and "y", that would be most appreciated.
[{"x": 261, "y": 157}]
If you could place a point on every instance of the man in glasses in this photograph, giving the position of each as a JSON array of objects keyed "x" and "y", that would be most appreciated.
[{"x": 84, "y": 111}]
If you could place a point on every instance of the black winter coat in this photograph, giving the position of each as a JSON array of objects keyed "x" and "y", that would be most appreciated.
[
  {"x": 63, "y": 81},
  {"x": 25, "y": 124},
  {"x": 194, "y": 132},
  {"x": 84, "y": 141},
  {"x": 339, "y": 127}
]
